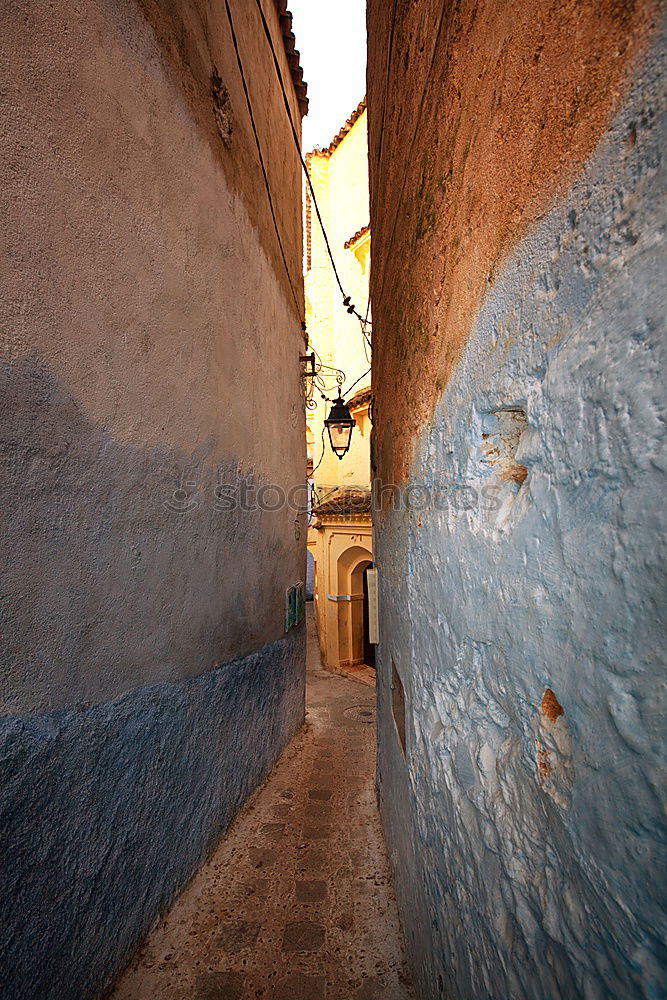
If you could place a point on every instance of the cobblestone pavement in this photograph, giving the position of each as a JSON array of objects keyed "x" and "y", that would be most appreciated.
[{"x": 295, "y": 903}]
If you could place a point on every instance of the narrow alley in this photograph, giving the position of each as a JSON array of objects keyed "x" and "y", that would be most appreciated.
[
  {"x": 333, "y": 531},
  {"x": 295, "y": 902}
]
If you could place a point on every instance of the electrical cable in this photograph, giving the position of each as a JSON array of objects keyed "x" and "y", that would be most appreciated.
[
  {"x": 347, "y": 302},
  {"x": 368, "y": 309},
  {"x": 324, "y": 448},
  {"x": 365, "y": 342},
  {"x": 320, "y": 499},
  {"x": 348, "y": 391},
  {"x": 364, "y": 323},
  {"x": 385, "y": 97},
  {"x": 329, "y": 493},
  {"x": 261, "y": 157}
]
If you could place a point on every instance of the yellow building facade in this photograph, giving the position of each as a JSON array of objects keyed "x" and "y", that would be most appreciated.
[{"x": 340, "y": 535}]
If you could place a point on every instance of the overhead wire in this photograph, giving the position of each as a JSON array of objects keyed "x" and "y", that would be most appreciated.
[
  {"x": 324, "y": 448},
  {"x": 358, "y": 381},
  {"x": 261, "y": 157},
  {"x": 364, "y": 322},
  {"x": 365, "y": 344},
  {"x": 347, "y": 302},
  {"x": 385, "y": 97}
]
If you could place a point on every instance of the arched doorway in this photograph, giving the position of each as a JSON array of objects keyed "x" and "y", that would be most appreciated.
[
  {"x": 363, "y": 650},
  {"x": 353, "y": 606},
  {"x": 369, "y": 648}
]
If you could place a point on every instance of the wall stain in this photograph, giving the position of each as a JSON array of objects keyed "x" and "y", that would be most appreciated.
[
  {"x": 551, "y": 707},
  {"x": 125, "y": 551},
  {"x": 222, "y": 108},
  {"x": 507, "y": 101}
]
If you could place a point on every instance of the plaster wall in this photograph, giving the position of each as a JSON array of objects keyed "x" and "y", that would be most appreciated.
[
  {"x": 146, "y": 312},
  {"x": 339, "y": 544},
  {"x": 150, "y": 364},
  {"x": 522, "y": 598},
  {"x": 107, "y": 812},
  {"x": 340, "y": 180}
]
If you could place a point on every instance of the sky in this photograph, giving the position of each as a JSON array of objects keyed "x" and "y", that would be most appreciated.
[{"x": 331, "y": 38}]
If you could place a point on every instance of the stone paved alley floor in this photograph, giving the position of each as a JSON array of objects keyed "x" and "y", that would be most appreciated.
[{"x": 296, "y": 901}]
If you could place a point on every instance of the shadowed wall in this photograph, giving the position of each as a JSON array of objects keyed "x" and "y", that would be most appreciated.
[
  {"x": 518, "y": 220},
  {"x": 147, "y": 323}
]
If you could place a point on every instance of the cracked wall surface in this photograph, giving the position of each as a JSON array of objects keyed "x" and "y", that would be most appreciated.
[
  {"x": 522, "y": 597},
  {"x": 149, "y": 364}
]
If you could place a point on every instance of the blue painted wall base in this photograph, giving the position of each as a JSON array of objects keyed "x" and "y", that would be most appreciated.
[{"x": 107, "y": 812}]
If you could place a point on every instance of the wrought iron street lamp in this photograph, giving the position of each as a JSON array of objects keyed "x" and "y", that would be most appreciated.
[{"x": 339, "y": 423}]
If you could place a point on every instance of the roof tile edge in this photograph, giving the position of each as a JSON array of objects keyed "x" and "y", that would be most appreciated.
[
  {"x": 364, "y": 231},
  {"x": 338, "y": 138},
  {"x": 293, "y": 55}
]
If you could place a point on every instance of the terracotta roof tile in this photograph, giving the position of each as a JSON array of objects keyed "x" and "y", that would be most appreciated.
[
  {"x": 361, "y": 398},
  {"x": 357, "y": 236},
  {"x": 293, "y": 56},
  {"x": 346, "y": 501},
  {"x": 336, "y": 141}
]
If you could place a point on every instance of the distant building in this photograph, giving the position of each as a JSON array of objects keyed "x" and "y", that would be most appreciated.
[{"x": 340, "y": 536}]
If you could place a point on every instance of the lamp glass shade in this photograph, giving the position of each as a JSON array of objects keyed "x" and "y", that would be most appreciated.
[{"x": 339, "y": 424}]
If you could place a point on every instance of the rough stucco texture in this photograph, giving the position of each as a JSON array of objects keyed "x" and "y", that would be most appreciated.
[
  {"x": 108, "y": 811},
  {"x": 147, "y": 322},
  {"x": 150, "y": 362},
  {"x": 486, "y": 113},
  {"x": 523, "y": 606}
]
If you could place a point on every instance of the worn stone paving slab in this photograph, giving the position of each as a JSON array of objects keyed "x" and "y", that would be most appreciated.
[{"x": 295, "y": 902}]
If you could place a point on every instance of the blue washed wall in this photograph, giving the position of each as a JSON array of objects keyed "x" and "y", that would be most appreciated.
[
  {"x": 528, "y": 850},
  {"x": 107, "y": 812}
]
